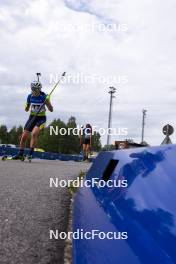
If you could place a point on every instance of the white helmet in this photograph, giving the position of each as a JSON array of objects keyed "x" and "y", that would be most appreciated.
[{"x": 36, "y": 86}]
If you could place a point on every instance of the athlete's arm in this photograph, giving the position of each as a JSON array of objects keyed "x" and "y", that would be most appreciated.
[
  {"x": 27, "y": 107},
  {"x": 48, "y": 103},
  {"x": 80, "y": 137},
  {"x": 49, "y": 106},
  {"x": 28, "y": 103}
]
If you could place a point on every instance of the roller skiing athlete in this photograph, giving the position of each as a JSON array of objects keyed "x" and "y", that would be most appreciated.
[
  {"x": 37, "y": 101},
  {"x": 86, "y": 141}
]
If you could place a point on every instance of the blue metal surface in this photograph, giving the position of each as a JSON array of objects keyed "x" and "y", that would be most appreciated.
[
  {"x": 41, "y": 155},
  {"x": 146, "y": 209}
]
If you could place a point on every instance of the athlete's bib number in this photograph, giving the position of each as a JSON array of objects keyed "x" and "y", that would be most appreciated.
[{"x": 35, "y": 108}]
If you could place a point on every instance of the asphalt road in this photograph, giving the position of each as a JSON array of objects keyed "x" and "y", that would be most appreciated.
[{"x": 29, "y": 208}]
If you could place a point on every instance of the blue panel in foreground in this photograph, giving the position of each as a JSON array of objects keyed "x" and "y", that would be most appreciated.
[{"x": 146, "y": 209}]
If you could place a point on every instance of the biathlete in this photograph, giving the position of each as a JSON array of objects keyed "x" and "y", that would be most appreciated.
[
  {"x": 34, "y": 102},
  {"x": 86, "y": 141}
]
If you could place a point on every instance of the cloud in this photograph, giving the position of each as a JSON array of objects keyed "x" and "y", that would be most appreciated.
[{"x": 54, "y": 36}]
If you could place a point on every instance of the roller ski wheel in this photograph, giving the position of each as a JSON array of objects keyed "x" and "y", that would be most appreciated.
[
  {"x": 4, "y": 158},
  {"x": 29, "y": 158}
]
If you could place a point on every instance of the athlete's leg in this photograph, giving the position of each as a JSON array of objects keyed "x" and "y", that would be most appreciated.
[
  {"x": 33, "y": 143},
  {"x": 34, "y": 137},
  {"x": 87, "y": 150},
  {"x": 39, "y": 125},
  {"x": 23, "y": 139},
  {"x": 84, "y": 151},
  {"x": 24, "y": 136}
]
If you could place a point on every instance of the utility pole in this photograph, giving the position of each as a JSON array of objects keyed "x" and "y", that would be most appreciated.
[
  {"x": 143, "y": 124},
  {"x": 112, "y": 91}
]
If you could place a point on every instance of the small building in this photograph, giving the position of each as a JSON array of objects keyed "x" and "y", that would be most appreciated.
[{"x": 128, "y": 144}]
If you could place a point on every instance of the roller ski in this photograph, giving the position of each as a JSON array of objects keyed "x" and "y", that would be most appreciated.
[
  {"x": 29, "y": 158},
  {"x": 15, "y": 157},
  {"x": 4, "y": 158}
]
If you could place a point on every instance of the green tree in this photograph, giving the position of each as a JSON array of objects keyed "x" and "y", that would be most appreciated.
[
  {"x": 68, "y": 143},
  {"x": 108, "y": 148},
  {"x": 3, "y": 134},
  {"x": 73, "y": 138},
  {"x": 96, "y": 142},
  {"x": 52, "y": 138},
  {"x": 14, "y": 135},
  {"x": 50, "y": 141}
]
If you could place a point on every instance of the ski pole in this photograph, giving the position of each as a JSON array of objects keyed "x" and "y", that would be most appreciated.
[
  {"x": 38, "y": 76},
  {"x": 38, "y": 111}
]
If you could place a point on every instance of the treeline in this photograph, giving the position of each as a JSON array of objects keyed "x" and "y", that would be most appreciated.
[
  {"x": 12, "y": 136},
  {"x": 66, "y": 144}
]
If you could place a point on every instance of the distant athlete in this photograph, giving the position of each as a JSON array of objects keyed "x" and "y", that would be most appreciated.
[
  {"x": 86, "y": 141},
  {"x": 34, "y": 102}
]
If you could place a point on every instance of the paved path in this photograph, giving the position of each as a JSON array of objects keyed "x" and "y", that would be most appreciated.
[{"x": 29, "y": 208}]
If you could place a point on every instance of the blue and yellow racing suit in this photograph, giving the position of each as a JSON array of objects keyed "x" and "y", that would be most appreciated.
[{"x": 35, "y": 102}]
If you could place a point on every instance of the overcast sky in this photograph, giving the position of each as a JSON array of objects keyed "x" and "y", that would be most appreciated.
[{"x": 132, "y": 41}]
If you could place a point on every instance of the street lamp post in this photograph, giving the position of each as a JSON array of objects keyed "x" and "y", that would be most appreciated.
[
  {"x": 143, "y": 124},
  {"x": 112, "y": 91}
]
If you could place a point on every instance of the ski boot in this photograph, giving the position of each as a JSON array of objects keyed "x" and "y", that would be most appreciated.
[{"x": 18, "y": 157}]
